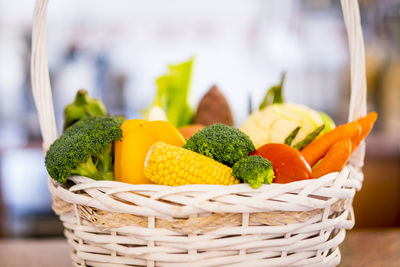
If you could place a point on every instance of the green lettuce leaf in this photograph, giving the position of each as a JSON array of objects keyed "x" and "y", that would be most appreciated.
[{"x": 173, "y": 91}]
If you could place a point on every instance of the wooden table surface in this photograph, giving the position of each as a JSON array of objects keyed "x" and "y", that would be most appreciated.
[{"x": 361, "y": 248}]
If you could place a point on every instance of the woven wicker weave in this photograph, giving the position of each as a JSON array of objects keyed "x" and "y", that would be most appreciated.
[{"x": 115, "y": 224}]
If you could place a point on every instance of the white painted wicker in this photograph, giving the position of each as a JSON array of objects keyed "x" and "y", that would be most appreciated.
[{"x": 116, "y": 224}]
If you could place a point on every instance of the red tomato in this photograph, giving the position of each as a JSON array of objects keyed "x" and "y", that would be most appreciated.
[{"x": 288, "y": 163}]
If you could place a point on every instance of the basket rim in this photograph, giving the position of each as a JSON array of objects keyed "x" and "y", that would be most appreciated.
[
  {"x": 82, "y": 182},
  {"x": 136, "y": 205},
  {"x": 189, "y": 200},
  {"x": 86, "y": 182}
]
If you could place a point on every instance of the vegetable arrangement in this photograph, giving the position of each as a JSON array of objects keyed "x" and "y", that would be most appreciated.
[{"x": 173, "y": 145}]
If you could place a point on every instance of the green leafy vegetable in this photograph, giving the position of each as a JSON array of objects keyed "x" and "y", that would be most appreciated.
[
  {"x": 172, "y": 93},
  {"x": 274, "y": 94}
]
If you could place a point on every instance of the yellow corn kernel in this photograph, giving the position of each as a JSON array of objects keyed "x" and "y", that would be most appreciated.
[{"x": 172, "y": 165}]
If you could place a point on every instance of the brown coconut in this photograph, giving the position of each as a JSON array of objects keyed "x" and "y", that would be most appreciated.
[{"x": 214, "y": 108}]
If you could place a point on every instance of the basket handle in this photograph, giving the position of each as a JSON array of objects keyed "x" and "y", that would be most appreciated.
[
  {"x": 40, "y": 79},
  {"x": 42, "y": 90},
  {"x": 358, "y": 98}
]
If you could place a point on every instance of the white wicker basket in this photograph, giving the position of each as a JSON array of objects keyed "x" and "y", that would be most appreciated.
[{"x": 116, "y": 224}]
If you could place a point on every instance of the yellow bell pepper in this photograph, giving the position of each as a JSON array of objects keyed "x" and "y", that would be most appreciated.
[{"x": 137, "y": 137}]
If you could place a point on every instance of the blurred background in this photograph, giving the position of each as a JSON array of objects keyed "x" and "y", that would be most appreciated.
[{"x": 116, "y": 50}]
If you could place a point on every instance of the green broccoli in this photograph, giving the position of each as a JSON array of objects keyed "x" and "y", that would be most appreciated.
[
  {"x": 254, "y": 170},
  {"x": 85, "y": 148},
  {"x": 222, "y": 143}
]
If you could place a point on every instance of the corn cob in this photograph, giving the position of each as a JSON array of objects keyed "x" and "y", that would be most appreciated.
[{"x": 172, "y": 165}]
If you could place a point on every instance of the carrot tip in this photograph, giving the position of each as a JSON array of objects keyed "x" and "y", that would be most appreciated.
[{"x": 373, "y": 116}]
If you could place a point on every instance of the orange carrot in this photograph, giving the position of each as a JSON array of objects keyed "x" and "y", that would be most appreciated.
[
  {"x": 334, "y": 160},
  {"x": 366, "y": 124},
  {"x": 320, "y": 146}
]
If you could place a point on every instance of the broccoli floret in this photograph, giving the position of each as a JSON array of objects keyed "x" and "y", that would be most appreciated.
[
  {"x": 254, "y": 170},
  {"x": 85, "y": 148},
  {"x": 222, "y": 143}
]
